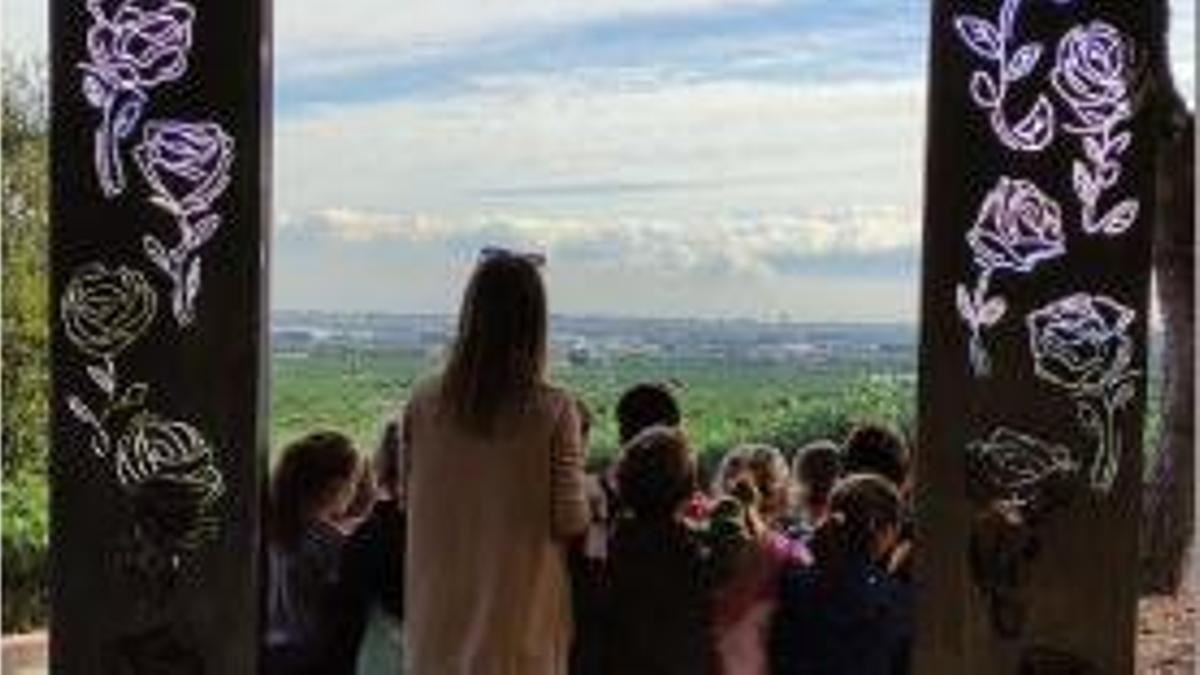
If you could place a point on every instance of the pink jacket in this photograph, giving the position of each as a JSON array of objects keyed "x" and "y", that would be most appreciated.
[{"x": 745, "y": 604}]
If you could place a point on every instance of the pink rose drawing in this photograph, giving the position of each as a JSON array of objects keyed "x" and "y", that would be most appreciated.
[
  {"x": 138, "y": 45},
  {"x": 1095, "y": 74},
  {"x": 1017, "y": 228},
  {"x": 187, "y": 166}
]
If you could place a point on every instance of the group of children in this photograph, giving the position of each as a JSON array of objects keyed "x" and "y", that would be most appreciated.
[
  {"x": 774, "y": 568},
  {"x": 799, "y": 569},
  {"x": 335, "y": 559}
]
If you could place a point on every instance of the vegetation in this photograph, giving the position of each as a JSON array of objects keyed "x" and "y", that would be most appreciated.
[
  {"x": 724, "y": 403},
  {"x": 25, "y": 376}
]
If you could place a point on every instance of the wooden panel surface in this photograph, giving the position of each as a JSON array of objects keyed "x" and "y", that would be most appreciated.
[
  {"x": 1039, "y": 193},
  {"x": 159, "y": 142}
]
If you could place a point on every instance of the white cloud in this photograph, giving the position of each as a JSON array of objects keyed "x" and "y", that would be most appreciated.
[
  {"x": 771, "y": 244},
  {"x": 396, "y": 276},
  {"x": 617, "y": 143},
  {"x": 357, "y": 226},
  {"x": 651, "y": 192},
  {"x": 312, "y": 38}
]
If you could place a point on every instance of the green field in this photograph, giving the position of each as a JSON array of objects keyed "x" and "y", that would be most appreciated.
[{"x": 724, "y": 403}]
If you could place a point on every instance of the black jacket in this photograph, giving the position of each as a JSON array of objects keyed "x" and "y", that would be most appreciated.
[
  {"x": 372, "y": 573},
  {"x": 862, "y": 625},
  {"x": 660, "y": 601},
  {"x": 302, "y": 606}
]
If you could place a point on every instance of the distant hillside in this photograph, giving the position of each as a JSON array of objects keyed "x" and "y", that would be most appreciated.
[{"x": 586, "y": 337}]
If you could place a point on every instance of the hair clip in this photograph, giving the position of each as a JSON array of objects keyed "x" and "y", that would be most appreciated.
[{"x": 490, "y": 252}]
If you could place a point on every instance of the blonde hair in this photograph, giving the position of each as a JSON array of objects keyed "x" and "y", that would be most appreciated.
[{"x": 769, "y": 474}]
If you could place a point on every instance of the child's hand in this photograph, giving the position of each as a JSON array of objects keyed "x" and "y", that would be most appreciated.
[
  {"x": 900, "y": 560},
  {"x": 597, "y": 501},
  {"x": 697, "y": 508},
  {"x": 746, "y": 493}
]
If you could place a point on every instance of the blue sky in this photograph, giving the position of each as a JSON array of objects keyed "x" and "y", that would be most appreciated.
[{"x": 672, "y": 157}]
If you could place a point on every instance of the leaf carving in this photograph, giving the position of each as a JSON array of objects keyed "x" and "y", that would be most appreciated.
[
  {"x": 103, "y": 379},
  {"x": 984, "y": 90},
  {"x": 81, "y": 411},
  {"x": 992, "y": 311},
  {"x": 135, "y": 395},
  {"x": 1036, "y": 130},
  {"x": 1023, "y": 62},
  {"x": 965, "y": 307},
  {"x": 1120, "y": 218},
  {"x": 157, "y": 253},
  {"x": 980, "y": 35}
]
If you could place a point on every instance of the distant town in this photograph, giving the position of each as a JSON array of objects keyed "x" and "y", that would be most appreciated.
[{"x": 585, "y": 339}]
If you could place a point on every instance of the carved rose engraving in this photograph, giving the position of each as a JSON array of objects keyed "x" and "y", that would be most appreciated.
[
  {"x": 140, "y": 45},
  {"x": 1081, "y": 343},
  {"x": 1017, "y": 228},
  {"x": 187, "y": 165}
]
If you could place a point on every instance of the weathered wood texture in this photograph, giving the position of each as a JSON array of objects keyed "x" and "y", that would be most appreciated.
[
  {"x": 1039, "y": 198},
  {"x": 1168, "y": 508},
  {"x": 160, "y": 177}
]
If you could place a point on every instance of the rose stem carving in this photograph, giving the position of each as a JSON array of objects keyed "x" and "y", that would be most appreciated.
[
  {"x": 991, "y": 41},
  {"x": 1017, "y": 228},
  {"x": 145, "y": 43},
  {"x": 1081, "y": 343},
  {"x": 1092, "y": 74},
  {"x": 103, "y": 312},
  {"x": 187, "y": 166}
]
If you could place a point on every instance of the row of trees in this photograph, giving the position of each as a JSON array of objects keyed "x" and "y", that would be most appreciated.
[{"x": 25, "y": 371}]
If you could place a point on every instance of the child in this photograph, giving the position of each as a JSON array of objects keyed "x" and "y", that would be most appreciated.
[
  {"x": 660, "y": 575},
  {"x": 645, "y": 405},
  {"x": 311, "y": 491},
  {"x": 757, "y": 477},
  {"x": 871, "y": 448},
  {"x": 875, "y": 449},
  {"x": 845, "y": 615},
  {"x": 587, "y": 561},
  {"x": 641, "y": 406},
  {"x": 817, "y": 467},
  {"x": 372, "y": 589}
]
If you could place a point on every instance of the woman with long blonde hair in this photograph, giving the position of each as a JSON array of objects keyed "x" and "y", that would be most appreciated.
[{"x": 493, "y": 475}]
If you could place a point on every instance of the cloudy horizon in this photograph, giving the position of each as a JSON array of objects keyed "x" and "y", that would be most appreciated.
[{"x": 708, "y": 158}]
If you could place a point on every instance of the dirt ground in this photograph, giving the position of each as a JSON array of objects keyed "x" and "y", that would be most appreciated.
[
  {"x": 1166, "y": 641},
  {"x": 1167, "y": 635}
]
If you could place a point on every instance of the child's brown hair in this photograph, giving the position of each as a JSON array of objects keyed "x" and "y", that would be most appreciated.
[
  {"x": 643, "y": 406},
  {"x": 861, "y": 507},
  {"x": 311, "y": 472},
  {"x": 656, "y": 473},
  {"x": 872, "y": 448},
  {"x": 817, "y": 467}
]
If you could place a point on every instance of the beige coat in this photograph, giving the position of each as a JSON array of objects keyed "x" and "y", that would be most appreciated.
[{"x": 486, "y": 587}]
